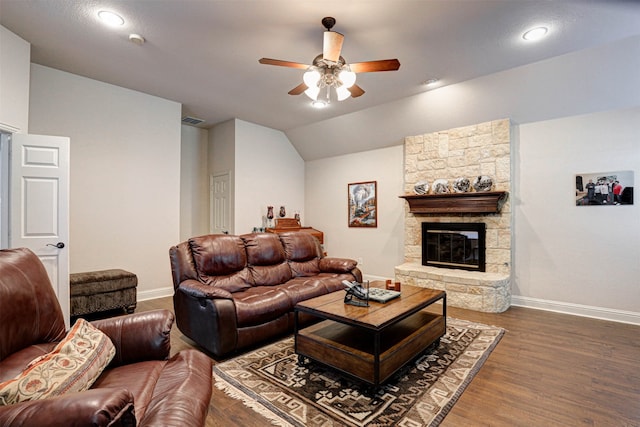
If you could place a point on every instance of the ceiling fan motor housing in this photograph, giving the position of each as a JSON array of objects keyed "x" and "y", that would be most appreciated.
[{"x": 328, "y": 22}]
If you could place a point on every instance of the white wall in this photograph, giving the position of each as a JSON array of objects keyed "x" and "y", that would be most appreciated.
[
  {"x": 125, "y": 173},
  {"x": 268, "y": 171},
  {"x": 380, "y": 249},
  {"x": 194, "y": 182},
  {"x": 586, "y": 255}
]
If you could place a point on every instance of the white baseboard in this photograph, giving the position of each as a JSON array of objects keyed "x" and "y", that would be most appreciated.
[
  {"x": 518, "y": 301},
  {"x": 155, "y": 293},
  {"x": 577, "y": 309}
]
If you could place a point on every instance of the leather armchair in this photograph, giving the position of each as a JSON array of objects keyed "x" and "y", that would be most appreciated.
[{"x": 140, "y": 386}]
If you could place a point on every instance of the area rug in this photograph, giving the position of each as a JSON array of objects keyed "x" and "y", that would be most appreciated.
[{"x": 271, "y": 382}]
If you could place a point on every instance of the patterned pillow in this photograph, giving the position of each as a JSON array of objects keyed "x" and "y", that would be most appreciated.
[{"x": 72, "y": 366}]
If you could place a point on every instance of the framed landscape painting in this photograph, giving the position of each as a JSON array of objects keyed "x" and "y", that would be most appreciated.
[
  {"x": 604, "y": 188},
  {"x": 363, "y": 204}
]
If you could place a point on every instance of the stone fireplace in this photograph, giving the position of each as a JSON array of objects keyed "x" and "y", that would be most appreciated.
[{"x": 471, "y": 151}]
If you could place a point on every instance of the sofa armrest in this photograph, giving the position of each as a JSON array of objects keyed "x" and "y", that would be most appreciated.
[
  {"x": 139, "y": 337},
  {"x": 98, "y": 407},
  {"x": 196, "y": 289},
  {"x": 337, "y": 265}
]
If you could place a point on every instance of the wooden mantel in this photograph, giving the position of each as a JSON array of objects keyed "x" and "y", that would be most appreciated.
[{"x": 475, "y": 202}]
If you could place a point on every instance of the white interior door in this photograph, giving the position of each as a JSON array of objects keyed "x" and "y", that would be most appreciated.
[
  {"x": 220, "y": 205},
  {"x": 39, "y": 205}
]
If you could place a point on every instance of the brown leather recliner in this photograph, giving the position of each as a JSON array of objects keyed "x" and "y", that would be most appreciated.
[
  {"x": 141, "y": 386},
  {"x": 233, "y": 292}
]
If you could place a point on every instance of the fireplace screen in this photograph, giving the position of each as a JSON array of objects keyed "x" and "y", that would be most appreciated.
[{"x": 454, "y": 245}]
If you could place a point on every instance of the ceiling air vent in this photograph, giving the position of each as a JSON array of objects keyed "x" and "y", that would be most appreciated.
[{"x": 193, "y": 121}]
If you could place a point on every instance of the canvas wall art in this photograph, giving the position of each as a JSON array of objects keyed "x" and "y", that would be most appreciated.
[{"x": 363, "y": 204}]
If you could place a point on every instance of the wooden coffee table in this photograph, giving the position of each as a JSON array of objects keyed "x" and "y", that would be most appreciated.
[{"x": 370, "y": 343}]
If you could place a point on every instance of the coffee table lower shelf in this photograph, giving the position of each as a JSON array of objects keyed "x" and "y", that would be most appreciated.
[{"x": 352, "y": 349}]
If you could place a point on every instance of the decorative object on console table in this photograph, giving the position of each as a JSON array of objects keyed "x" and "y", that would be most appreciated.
[
  {"x": 363, "y": 204},
  {"x": 269, "y": 216},
  {"x": 292, "y": 224},
  {"x": 283, "y": 212},
  {"x": 476, "y": 202}
]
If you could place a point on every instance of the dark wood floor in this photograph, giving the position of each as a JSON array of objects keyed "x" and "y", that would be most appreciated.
[{"x": 549, "y": 369}]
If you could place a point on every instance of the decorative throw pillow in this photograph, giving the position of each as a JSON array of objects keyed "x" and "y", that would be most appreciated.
[{"x": 72, "y": 366}]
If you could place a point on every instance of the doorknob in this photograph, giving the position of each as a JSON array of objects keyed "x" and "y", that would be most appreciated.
[{"x": 58, "y": 245}]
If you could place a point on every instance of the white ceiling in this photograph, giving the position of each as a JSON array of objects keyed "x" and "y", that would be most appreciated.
[{"x": 204, "y": 53}]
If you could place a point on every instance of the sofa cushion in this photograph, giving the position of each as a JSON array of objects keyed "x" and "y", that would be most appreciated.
[
  {"x": 72, "y": 366},
  {"x": 260, "y": 305},
  {"x": 221, "y": 261},
  {"x": 302, "y": 288},
  {"x": 266, "y": 259},
  {"x": 337, "y": 265},
  {"x": 303, "y": 253}
]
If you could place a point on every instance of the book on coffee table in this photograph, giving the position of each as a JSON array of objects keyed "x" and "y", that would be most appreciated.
[{"x": 382, "y": 295}]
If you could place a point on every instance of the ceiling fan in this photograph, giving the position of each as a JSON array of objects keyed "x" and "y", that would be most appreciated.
[{"x": 329, "y": 69}]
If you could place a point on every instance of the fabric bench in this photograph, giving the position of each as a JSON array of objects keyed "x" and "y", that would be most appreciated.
[{"x": 96, "y": 291}]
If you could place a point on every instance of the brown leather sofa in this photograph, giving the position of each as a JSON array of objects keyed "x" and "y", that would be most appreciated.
[
  {"x": 232, "y": 292},
  {"x": 141, "y": 386}
]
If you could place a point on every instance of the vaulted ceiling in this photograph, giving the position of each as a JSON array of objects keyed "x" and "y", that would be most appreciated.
[{"x": 204, "y": 53}]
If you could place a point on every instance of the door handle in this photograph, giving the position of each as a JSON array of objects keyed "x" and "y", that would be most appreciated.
[{"x": 58, "y": 245}]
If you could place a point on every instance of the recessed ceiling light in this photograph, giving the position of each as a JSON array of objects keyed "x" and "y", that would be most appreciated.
[
  {"x": 535, "y": 33},
  {"x": 319, "y": 104},
  {"x": 110, "y": 18},
  {"x": 431, "y": 82}
]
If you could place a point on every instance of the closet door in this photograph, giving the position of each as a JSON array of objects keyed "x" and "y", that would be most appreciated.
[{"x": 39, "y": 205}]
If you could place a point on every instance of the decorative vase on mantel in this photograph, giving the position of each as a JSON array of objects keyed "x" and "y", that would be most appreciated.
[{"x": 283, "y": 212}]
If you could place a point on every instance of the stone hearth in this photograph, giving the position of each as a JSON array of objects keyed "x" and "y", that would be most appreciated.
[
  {"x": 488, "y": 292},
  {"x": 470, "y": 151}
]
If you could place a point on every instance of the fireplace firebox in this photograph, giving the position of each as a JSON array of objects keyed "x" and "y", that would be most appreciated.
[{"x": 454, "y": 245}]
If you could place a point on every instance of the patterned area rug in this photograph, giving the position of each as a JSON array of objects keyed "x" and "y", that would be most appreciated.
[{"x": 271, "y": 382}]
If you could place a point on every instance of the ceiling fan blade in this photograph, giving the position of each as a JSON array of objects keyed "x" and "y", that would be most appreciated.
[
  {"x": 278, "y": 62},
  {"x": 332, "y": 46},
  {"x": 298, "y": 89},
  {"x": 356, "y": 91},
  {"x": 371, "y": 66}
]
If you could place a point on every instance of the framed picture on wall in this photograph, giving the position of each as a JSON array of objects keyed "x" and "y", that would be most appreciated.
[
  {"x": 363, "y": 204},
  {"x": 604, "y": 188}
]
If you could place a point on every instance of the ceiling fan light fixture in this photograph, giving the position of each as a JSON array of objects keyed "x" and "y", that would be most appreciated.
[
  {"x": 319, "y": 103},
  {"x": 342, "y": 93},
  {"x": 347, "y": 77},
  {"x": 312, "y": 92},
  {"x": 311, "y": 77},
  {"x": 329, "y": 72}
]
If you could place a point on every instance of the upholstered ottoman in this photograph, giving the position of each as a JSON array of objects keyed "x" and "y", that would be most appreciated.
[{"x": 96, "y": 291}]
